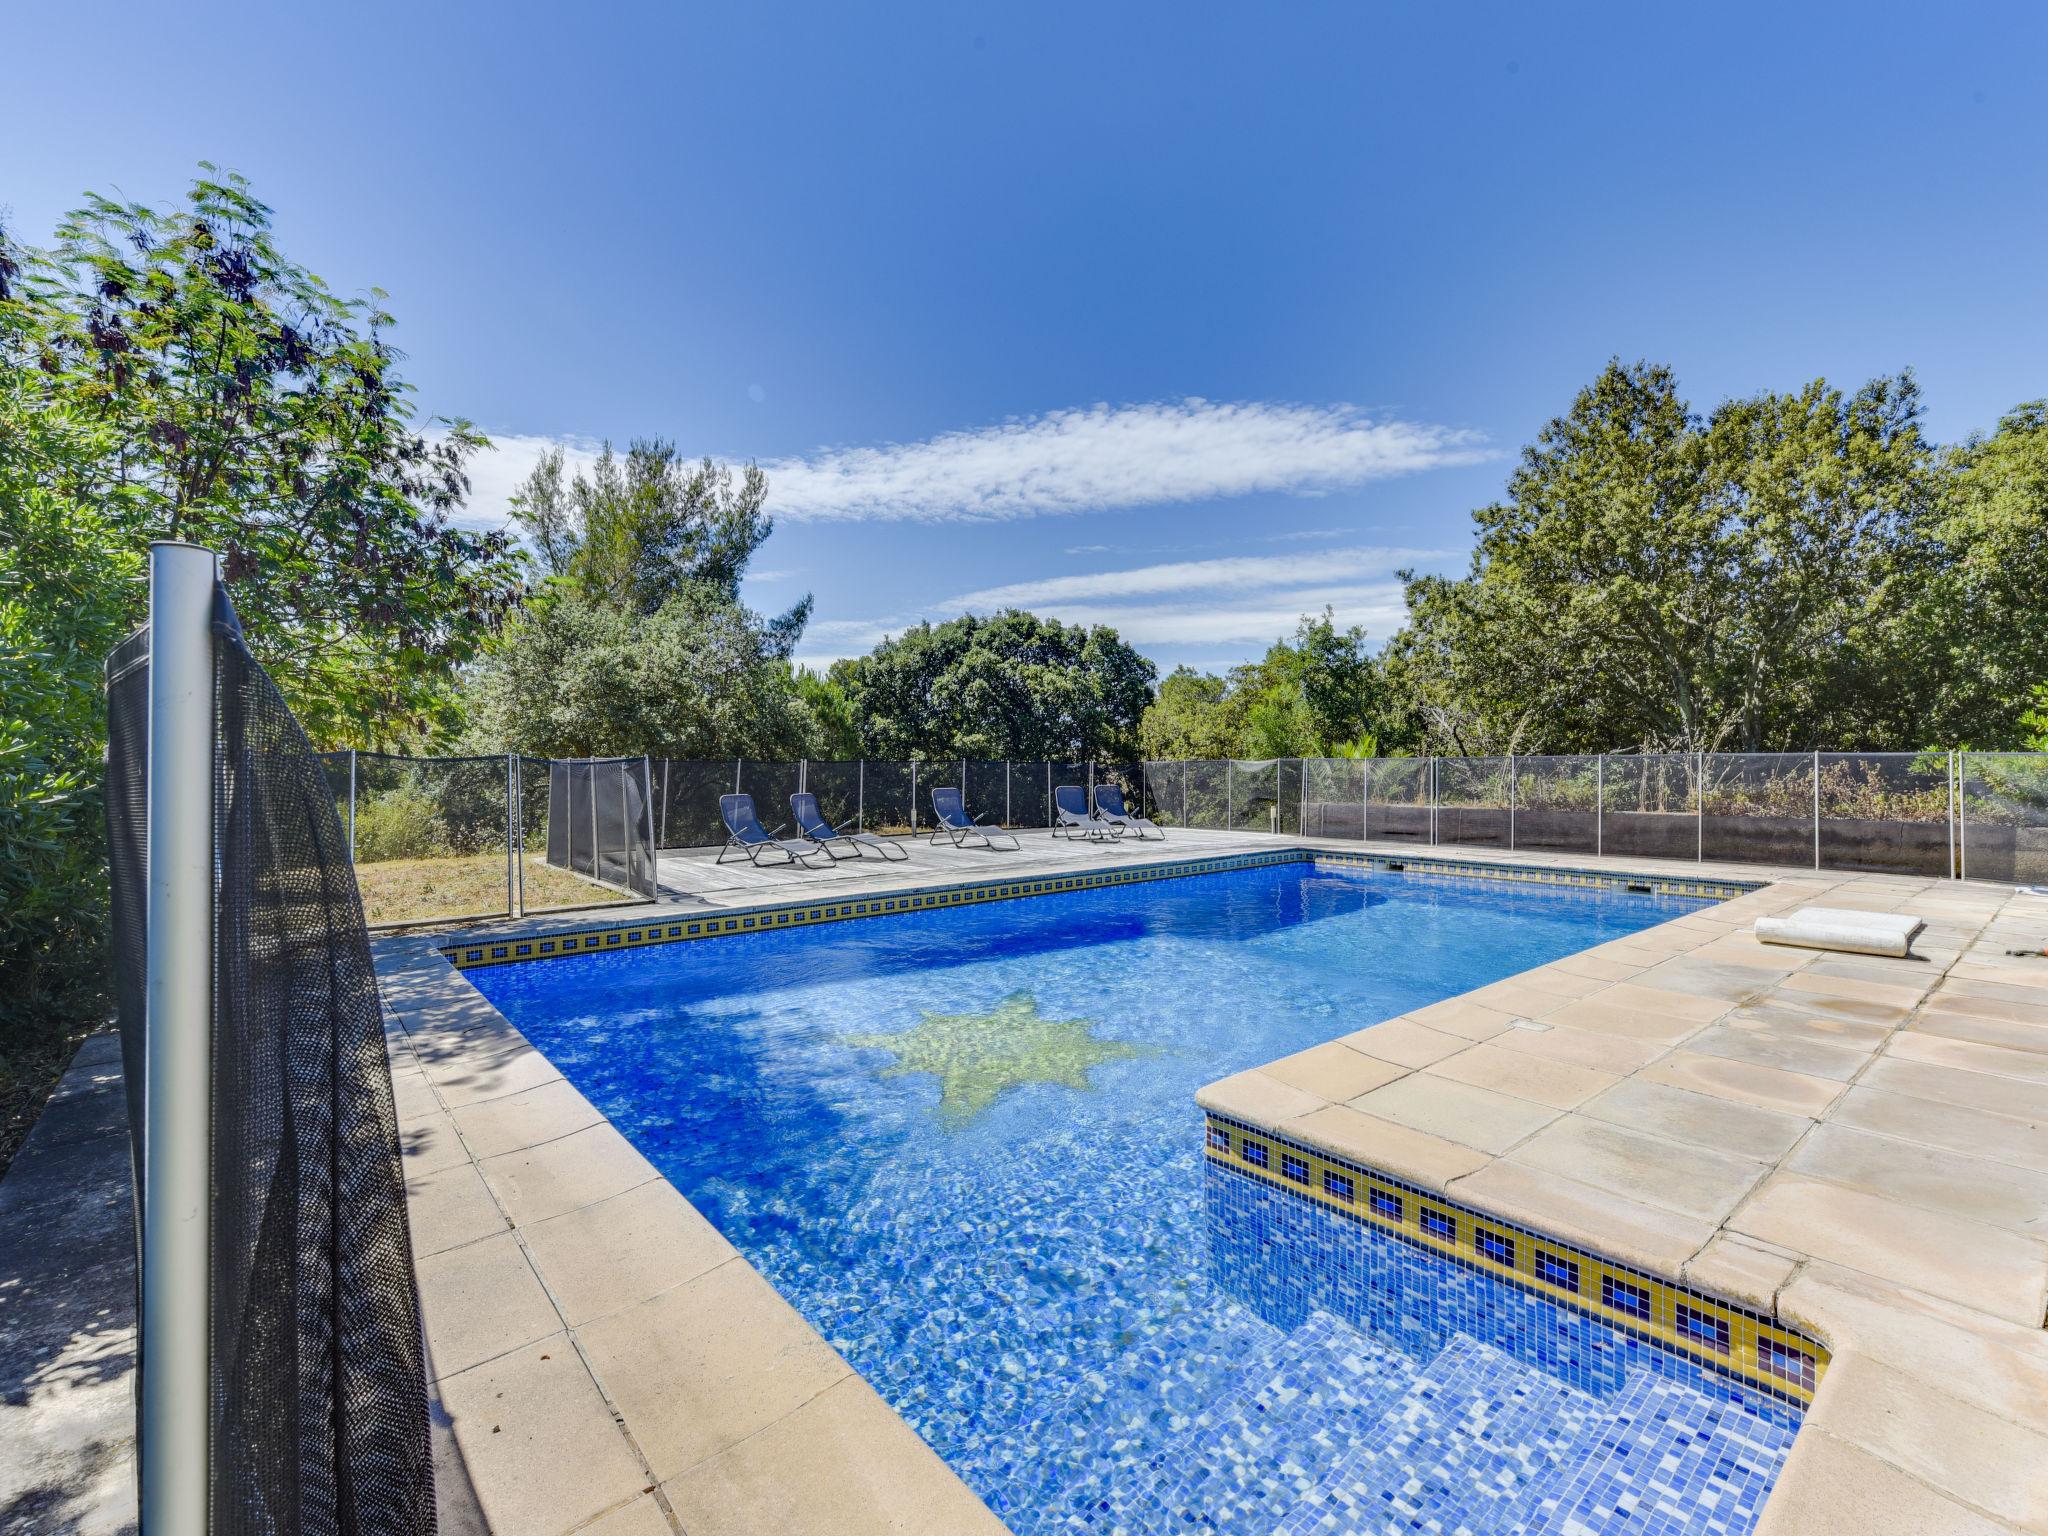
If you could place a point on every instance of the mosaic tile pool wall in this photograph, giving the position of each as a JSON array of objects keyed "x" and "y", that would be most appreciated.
[{"x": 962, "y": 1141}]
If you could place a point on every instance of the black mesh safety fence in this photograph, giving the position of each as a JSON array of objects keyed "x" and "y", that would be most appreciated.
[
  {"x": 1651, "y": 806},
  {"x": 1129, "y": 780},
  {"x": 1252, "y": 791},
  {"x": 838, "y": 789},
  {"x": 431, "y": 837},
  {"x": 1892, "y": 812},
  {"x": 1333, "y": 797},
  {"x": 1473, "y": 804},
  {"x": 1758, "y": 807},
  {"x": 1397, "y": 800},
  {"x": 1205, "y": 794},
  {"x": 686, "y": 800},
  {"x": 1557, "y": 804},
  {"x": 600, "y": 822},
  {"x": 985, "y": 789},
  {"x": 1166, "y": 793},
  {"x": 886, "y": 797},
  {"x": 2002, "y": 828},
  {"x": 318, "y": 1407},
  {"x": 1031, "y": 794},
  {"x": 771, "y": 785}
]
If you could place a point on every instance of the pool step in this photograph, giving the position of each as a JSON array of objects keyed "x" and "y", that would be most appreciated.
[
  {"x": 1475, "y": 1432},
  {"x": 1664, "y": 1445},
  {"x": 1252, "y": 1450}
]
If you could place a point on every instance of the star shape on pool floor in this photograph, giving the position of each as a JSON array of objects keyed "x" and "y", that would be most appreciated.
[{"x": 976, "y": 1056}]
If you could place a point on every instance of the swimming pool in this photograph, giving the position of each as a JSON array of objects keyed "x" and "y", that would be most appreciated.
[{"x": 963, "y": 1144}]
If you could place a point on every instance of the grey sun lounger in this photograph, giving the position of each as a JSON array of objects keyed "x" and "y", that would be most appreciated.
[
  {"x": 820, "y": 832},
  {"x": 954, "y": 822},
  {"x": 1070, "y": 814},
  {"x": 1109, "y": 805},
  {"x": 745, "y": 832}
]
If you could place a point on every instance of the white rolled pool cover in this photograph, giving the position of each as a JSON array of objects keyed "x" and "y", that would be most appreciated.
[{"x": 1838, "y": 928}]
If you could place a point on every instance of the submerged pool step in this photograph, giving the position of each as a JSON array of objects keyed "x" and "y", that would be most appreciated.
[
  {"x": 1474, "y": 1435},
  {"x": 1664, "y": 1446},
  {"x": 1247, "y": 1456}
]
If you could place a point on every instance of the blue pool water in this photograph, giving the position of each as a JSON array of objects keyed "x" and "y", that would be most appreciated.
[{"x": 963, "y": 1144}]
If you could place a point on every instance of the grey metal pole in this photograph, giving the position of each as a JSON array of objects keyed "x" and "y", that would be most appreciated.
[
  {"x": 351, "y": 805},
  {"x": 177, "y": 1152},
  {"x": 1511, "y": 801},
  {"x": 913, "y": 797},
  {"x": 1962, "y": 793},
  {"x": 1816, "y": 810},
  {"x": 596, "y": 854},
  {"x": 653, "y": 857},
  {"x": 1008, "y": 819},
  {"x": 1600, "y": 806},
  {"x": 1699, "y": 807},
  {"x": 1953, "y": 873},
  {"x": 1229, "y": 794},
  {"x": 511, "y": 834},
  {"x": 519, "y": 833},
  {"x": 738, "y": 766},
  {"x": 1365, "y": 806},
  {"x": 860, "y": 795}
]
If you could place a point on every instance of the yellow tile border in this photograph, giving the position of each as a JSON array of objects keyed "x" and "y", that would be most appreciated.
[
  {"x": 472, "y": 953},
  {"x": 1772, "y": 1359}
]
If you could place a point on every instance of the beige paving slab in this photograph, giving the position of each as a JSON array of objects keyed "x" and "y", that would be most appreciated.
[
  {"x": 429, "y": 1143},
  {"x": 1334, "y": 1071},
  {"x": 542, "y": 1450},
  {"x": 610, "y": 1254},
  {"x": 642, "y": 1517},
  {"x": 1955, "y": 997},
  {"x": 843, "y": 1464},
  {"x": 1769, "y": 1048},
  {"x": 1936, "y": 1020},
  {"x": 1470, "y": 1019},
  {"x": 1745, "y": 1082},
  {"x": 473, "y": 1080},
  {"x": 1630, "y": 1023},
  {"x": 448, "y": 1208},
  {"x": 1580, "y": 1047},
  {"x": 1405, "y": 1043},
  {"x": 1742, "y": 1270},
  {"x": 1477, "y": 1117},
  {"x": 1798, "y": 1022},
  {"x": 1955, "y": 1086},
  {"x": 1970, "y": 1056},
  {"x": 2001, "y": 1273},
  {"x": 2001, "y": 1138},
  {"x": 1678, "y": 1114},
  {"x": 1831, "y": 1488},
  {"x": 547, "y": 1113},
  {"x": 702, "y": 1366},
  {"x": 570, "y": 1171},
  {"x": 1995, "y": 1193},
  {"x": 1555, "y": 1083},
  {"x": 1258, "y": 1099},
  {"x": 1647, "y": 1236},
  {"x": 1421, "y": 1159},
  {"x": 1719, "y": 980},
  {"x": 1958, "y": 1449},
  {"x": 1850, "y": 1010},
  {"x": 1687, "y": 1179},
  {"x": 480, "y": 1301}
]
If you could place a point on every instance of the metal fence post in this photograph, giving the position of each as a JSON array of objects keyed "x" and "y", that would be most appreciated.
[
  {"x": 1229, "y": 794},
  {"x": 1953, "y": 872},
  {"x": 1816, "y": 810},
  {"x": 1962, "y": 794},
  {"x": 860, "y": 795},
  {"x": 177, "y": 1157},
  {"x": 913, "y": 797},
  {"x": 1365, "y": 805},
  {"x": 1008, "y": 818},
  {"x": 1699, "y": 807},
  {"x": 511, "y": 833},
  {"x": 1511, "y": 800},
  {"x": 519, "y": 835},
  {"x": 1600, "y": 806},
  {"x": 654, "y": 857},
  {"x": 351, "y": 805}
]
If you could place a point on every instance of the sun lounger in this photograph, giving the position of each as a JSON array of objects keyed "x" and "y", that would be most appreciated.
[
  {"x": 745, "y": 832},
  {"x": 1855, "y": 933},
  {"x": 1109, "y": 806},
  {"x": 836, "y": 841},
  {"x": 1070, "y": 814},
  {"x": 955, "y": 823}
]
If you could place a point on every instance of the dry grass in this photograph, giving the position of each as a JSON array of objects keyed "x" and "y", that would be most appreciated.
[{"x": 422, "y": 890}]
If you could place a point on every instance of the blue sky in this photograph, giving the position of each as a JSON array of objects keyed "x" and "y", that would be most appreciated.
[{"x": 1183, "y": 318}]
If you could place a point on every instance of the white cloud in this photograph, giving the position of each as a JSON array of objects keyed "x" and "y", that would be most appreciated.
[
  {"x": 1101, "y": 457},
  {"x": 1238, "y": 573},
  {"x": 497, "y": 473}
]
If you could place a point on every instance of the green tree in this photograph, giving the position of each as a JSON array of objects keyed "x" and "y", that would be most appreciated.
[
  {"x": 1009, "y": 685},
  {"x": 241, "y": 404},
  {"x": 1306, "y": 697},
  {"x": 1660, "y": 578}
]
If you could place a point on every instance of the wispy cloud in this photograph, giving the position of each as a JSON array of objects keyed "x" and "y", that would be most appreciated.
[
  {"x": 1235, "y": 574},
  {"x": 1102, "y": 456}
]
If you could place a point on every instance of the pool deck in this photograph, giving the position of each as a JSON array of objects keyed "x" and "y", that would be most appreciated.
[{"x": 1856, "y": 1146}]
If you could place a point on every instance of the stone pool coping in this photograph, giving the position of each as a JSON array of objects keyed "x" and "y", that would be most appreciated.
[{"x": 608, "y": 1361}]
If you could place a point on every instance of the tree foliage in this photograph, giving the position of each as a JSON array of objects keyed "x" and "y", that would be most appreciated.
[
  {"x": 1009, "y": 685},
  {"x": 1314, "y": 695}
]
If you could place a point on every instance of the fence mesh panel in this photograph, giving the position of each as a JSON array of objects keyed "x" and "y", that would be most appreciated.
[
  {"x": 837, "y": 786},
  {"x": 1886, "y": 811},
  {"x": 1254, "y": 795},
  {"x": 599, "y": 826},
  {"x": 1333, "y": 797},
  {"x": 888, "y": 797},
  {"x": 1166, "y": 792},
  {"x": 2003, "y": 831},
  {"x": 318, "y": 1417},
  {"x": 1556, "y": 803},
  {"x": 1397, "y": 800},
  {"x": 686, "y": 795},
  {"x": 1031, "y": 794},
  {"x": 1652, "y": 811},
  {"x": 431, "y": 836},
  {"x": 771, "y": 785},
  {"x": 1757, "y": 807},
  {"x": 1472, "y": 801},
  {"x": 985, "y": 787}
]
